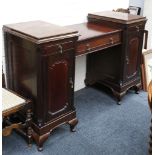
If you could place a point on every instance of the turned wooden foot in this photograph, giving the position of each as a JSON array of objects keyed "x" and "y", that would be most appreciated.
[
  {"x": 72, "y": 124},
  {"x": 40, "y": 139},
  {"x": 40, "y": 148},
  {"x": 29, "y": 135},
  {"x": 119, "y": 102}
]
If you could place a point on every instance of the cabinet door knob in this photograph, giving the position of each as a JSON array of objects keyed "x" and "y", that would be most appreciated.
[
  {"x": 71, "y": 82},
  {"x": 127, "y": 60},
  {"x": 111, "y": 40},
  {"x": 137, "y": 28},
  {"x": 60, "y": 48}
]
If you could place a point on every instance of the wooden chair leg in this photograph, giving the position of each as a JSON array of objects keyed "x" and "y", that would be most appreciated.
[
  {"x": 8, "y": 129},
  {"x": 28, "y": 126}
]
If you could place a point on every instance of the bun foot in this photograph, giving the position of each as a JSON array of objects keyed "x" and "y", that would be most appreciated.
[
  {"x": 40, "y": 149},
  {"x": 119, "y": 102}
]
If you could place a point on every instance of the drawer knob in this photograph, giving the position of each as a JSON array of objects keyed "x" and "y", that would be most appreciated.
[
  {"x": 111, "y": 40},
  {"x": 88, "y": 46},
  {"x": 60, "y": 48},
  {"x": 137, "y": 28}
]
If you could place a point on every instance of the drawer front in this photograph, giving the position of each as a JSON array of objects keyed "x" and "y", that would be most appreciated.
[
  {"x": 55, "y": 48},
  {"x": 98, "y": 43}
]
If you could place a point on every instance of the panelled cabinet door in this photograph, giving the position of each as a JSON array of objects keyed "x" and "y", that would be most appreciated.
[
  {"x": 59, "y": 76},
  {"x": 133, "y": 55}
]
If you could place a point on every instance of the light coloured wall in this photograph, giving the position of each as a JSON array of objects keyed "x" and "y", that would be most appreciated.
[
  {"x": 138, "y": 3},
  {"x": 61, "y": 12},
  {"x": 146, "y": 6},
  {"x": 148, "y": 13}
]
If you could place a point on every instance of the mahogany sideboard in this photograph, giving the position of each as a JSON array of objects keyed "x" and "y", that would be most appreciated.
[{"x": 40, "y": 63}]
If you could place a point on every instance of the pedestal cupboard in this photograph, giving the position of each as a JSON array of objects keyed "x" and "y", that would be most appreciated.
[
  {"x": 119, "y": 68},
  {"x": 40, "y": 61}
]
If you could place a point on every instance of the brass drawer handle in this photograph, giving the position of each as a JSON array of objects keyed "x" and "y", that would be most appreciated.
[
  {"x": 111, "y": 40},
  {"x": 88, "y": 46},
  {"x": 60, "y": 49}
]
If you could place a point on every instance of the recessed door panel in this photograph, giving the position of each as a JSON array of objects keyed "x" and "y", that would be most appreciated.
[
  {"x": 58, "y": 73},
  {"x": 132, "y": 57},
  {"x": 57, "y": 86}
]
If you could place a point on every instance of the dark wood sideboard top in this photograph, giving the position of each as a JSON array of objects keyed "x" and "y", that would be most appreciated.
[
  {"x": 91, "y": 30},
  {"x": 93, "y": 37},
  {"x": 39, "y": 31},
  {"x": 118, "y": 17}
]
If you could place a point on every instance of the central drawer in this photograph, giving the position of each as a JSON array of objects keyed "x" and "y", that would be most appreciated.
[{"x": 98, "y": 43}]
